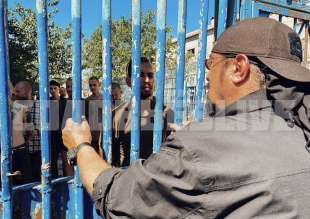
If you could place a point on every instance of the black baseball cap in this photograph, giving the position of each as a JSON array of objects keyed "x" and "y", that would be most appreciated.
[{"x": 273, "y": 43}]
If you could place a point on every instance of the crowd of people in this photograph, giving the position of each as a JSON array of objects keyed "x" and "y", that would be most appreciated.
[{"x": 26, "y": 147}]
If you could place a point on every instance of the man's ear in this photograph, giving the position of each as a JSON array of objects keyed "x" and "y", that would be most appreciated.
[
  {"x": 128, "y": 81},
  {"x": 241, "y": 69}
]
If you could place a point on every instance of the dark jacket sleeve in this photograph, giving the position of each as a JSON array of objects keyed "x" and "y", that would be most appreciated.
[{"x": 163, "y": 186}]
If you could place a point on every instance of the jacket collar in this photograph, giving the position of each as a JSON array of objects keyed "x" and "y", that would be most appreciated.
[{"x": 252, "y": 102}]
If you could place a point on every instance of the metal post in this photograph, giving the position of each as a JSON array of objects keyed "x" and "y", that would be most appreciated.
[
  {"x": 44, "y": 107},
  {"x": 199, "y": 110},
  {"x": 5, "y": 115},
  {"x": 246, "y": 9},
  {"x": 180, "y": 62},
  {"x": 280, "y": 18},
  {"x": 160, "y": 75},
  {"x": 295, "y": 25},
  {"x": 236, "y": 11},
  {"x": 107, "y": 78},
  {"x": 222, "y": 17},
  {"x": 306, "y": 43},
  {"x": 302, "y": 27},
  {"x": 76, "y": 97},
  {"x": 135, "y": 80}
]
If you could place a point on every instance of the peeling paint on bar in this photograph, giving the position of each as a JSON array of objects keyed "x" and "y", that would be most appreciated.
[
  {"x": 107, "y": 79},
  {"x": 160, "y": 74},
  {"x": 78, "y": 194},
  {"x": 135, "y": 80},
  {"x": 199, "y": 100},
  {"x": 222, "y": 17},
  {"x": 180, "y": 75},
  {"x": 76, "y": 8},
  {"x": 136, "y": 12},
  {"x": 44, "y": 109},
  {"x": 40, "y": 6}
]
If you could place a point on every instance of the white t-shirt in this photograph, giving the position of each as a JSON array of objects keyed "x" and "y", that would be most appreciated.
[{"x": 19, "y": 113}]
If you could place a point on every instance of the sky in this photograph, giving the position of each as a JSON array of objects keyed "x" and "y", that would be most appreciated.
[{"x": 91, "y": 12}]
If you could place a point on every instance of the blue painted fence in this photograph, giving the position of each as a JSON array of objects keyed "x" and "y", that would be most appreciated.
[{"x": 65, "y": 197}]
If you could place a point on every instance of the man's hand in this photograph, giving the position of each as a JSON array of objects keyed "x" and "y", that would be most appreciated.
[
  {"x": 75, "y": 133},
  {"x": 174, "y": 127}
]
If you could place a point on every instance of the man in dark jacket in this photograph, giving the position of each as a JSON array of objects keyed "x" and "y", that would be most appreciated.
[
  {"x": 123, "y": 116},
  {"x": 249, "y": 160}
]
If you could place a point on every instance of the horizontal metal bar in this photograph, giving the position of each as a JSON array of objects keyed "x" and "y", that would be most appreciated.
[
  {"x": 37, "y": 185},
  {"x": 283, "y": 11}
]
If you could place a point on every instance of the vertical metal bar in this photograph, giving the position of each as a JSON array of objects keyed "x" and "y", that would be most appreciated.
[
  {"x": 199, "y": 100},
  {"x": 302, "y": 27},
  {"x": 160, "y": 75},
  {"x": 180, "y": 62},
  {"x": 306, "y": 43},
  {"x": 236, "y": 11},
  {"x": 280, "y": 18},
  {"x": 5, "y": 115},
  {"x": 44, "y": 106},
  {"x": 246, "y": 9},
  {"x": 222, "y": 17},
  {"x": 76, "y": 97},
  {"x": 107, "y": 78},
  {"x": 135, "y": 80},
  {"x": 295, "y": 24}
]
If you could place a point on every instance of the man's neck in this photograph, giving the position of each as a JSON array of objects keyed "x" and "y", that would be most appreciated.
[
  {"x": 146, "y": 97},
  {"x": 55, "y": 97},
  {"x": 250, "y": 102},
  {"x": 96, "y": 94}
]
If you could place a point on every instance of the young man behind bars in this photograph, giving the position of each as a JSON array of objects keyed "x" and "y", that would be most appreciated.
[
  {"x": 94, "y": 109},
  {"x": 122, "y": 119},
  {"x": 251, "y": 159}
]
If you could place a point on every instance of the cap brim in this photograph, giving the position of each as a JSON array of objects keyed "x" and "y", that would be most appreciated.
[{"x": 288, "y": 69}]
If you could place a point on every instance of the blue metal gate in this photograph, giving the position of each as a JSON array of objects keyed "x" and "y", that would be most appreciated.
[{"x": 65, "y": 197}]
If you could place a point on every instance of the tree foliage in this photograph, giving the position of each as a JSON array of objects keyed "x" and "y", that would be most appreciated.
[
  {"x": 121, "y": 45},
  {"x": 23, "y": 47}
]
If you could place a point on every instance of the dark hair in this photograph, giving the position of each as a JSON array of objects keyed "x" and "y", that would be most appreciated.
[
  {"x": 142, "y": 60},
  {"x": 93, "y": 78},
  {"x": 116, "y": 85},
  {"x": 54, "y": 83}
]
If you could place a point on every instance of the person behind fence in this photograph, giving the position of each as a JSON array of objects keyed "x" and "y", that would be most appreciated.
[
  {"x": 69, "y": 88},
  {"x": 65, "y": 113},
  {"x": 56, "y": 111},
  {"x": 94, "y": 109},
  {"x": 63, "y": 93},
  {"x": 122, "y": 119},
  {"x": 21, "y": 159},
  {"x": 116, "y": 94},
  {"x": 33, "y": 130},
  {"x": 54, "y": 90},
  {"x": 248, "y": 159}
]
